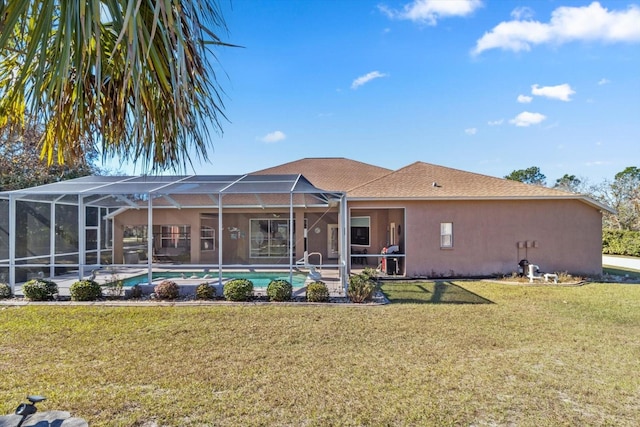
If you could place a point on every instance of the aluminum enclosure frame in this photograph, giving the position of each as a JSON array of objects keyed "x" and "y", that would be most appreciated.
[{"x": 116, "y": 194}]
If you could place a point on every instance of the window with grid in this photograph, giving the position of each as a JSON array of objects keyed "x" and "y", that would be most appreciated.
[
  {"x": 446, "y": 235},
  {"x": 175, "y": 236}
]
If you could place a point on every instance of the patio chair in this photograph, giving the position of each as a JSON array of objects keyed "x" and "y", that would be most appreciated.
[{"x": 533, "y": 269}]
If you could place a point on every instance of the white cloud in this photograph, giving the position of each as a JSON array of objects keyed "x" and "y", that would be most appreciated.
[
  {"x": 273, "y": 137},
  {"x": 603, "y": 81},
  {"x": 586, "y": 23},
  {"x": 524, "y": 99},
  {"x": 495, "y": 122},
  {"x": 366, "y": 79},
  {"x": 430, "y": 11},
  {"x": 522, "y": 12},
  {"x": 526, "y": 119},
  {"x": 561, "y": 92},
  {"x": 471, "y": 131}
]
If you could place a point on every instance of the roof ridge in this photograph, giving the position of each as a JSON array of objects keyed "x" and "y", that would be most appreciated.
[
  {"x": 509, "y": 181},
  {"x": 391, "y": 171},
  {"x": 445, "y": 175}
]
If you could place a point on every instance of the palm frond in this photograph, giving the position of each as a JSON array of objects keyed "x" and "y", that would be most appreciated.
[{"x": 132, "y": 77}]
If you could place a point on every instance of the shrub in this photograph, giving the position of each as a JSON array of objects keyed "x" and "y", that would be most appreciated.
[
  {"x": 167, "y": 289},
  {"x": 85, "y": 290},
  {"x": 279, "y": 290},
  {"x": 115, "y": 287},
  {"x": 238, "y": 290},
  {"x": 361, "y": 288},
  {"x": 370, "y": 273},
  {"x": 317, "y": 292},
  {"x": 136, "y": 292},
  {"x": 5, "y": 291},
  {"x": 621, "y": 242},
  {"x": 205, "y": 291},
  {"x": 40, "y": 289}
]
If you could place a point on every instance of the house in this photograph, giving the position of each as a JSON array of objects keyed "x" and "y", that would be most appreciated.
[
  {"x": 336, "y": 214},
  {"x": 448, "y": 222}
]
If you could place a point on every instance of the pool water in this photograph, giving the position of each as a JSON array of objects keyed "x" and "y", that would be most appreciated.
[{"x": 259, "y": 280}]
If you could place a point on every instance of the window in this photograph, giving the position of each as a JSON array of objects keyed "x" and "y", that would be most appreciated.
[
  {"x": 360, "y": 230},
  {"x": 175, "y": 236},
  {"x": 207, "y": 238},
  {"x": 446, "y": 234},
  {"x": 269, "y": 238}
]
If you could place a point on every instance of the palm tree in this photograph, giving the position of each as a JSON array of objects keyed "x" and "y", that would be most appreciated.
[{"x": 132, "y": 78}]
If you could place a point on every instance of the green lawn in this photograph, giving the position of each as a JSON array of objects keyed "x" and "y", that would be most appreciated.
[{"x": 483, "y": 354}]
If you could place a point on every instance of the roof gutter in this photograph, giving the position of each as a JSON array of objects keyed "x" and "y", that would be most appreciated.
[{"x": 585, "y": 199}]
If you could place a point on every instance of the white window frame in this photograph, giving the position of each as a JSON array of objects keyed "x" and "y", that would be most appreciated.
[
  {"x": 207, "y": 235},
  {"x": 446, "y": 235},
  {"x": 177, "y": 236}
]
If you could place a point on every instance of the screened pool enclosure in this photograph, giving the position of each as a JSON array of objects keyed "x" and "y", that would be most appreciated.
[{"x": 213, "y": 224}]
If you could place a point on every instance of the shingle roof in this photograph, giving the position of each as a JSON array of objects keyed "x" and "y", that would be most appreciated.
[
  {"x": 330, "y": 173},
  {"x": 426, "y": 181},
  {"x": 418, "y": 180}
]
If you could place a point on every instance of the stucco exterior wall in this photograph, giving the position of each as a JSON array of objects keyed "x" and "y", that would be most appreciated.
[
  {"x": 557, "y": 235},
  {"x": 489, "y": 237}
]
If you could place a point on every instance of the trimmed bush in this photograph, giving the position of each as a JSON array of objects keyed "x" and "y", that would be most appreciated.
[
  {"x": 205, "y": 291},
  {"x": 361, "y": 288},
  {"x": 85, "y": 290},
  {"x": 167, "y": 289},
  {"x": 279, "y": 290},
  {"x": 317, "y": 292},
  {"x": 238, "y": 290},
  {"x": 5, "y": 291},
  {"x": 40, "y": 290}
]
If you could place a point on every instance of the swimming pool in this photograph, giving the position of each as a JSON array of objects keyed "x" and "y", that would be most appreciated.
[{"x": 259, "y": 280}]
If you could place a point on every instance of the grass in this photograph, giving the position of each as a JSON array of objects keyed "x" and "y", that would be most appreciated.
[
  {"x": 430, "y": 292},
  {"x": 510, "y": 355}
]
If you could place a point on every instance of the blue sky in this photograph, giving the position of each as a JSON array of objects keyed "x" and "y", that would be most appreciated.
[{"x": 487, "y": 86}]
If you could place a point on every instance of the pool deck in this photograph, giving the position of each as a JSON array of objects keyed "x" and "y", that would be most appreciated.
[{"x": 187, "y": 285}]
